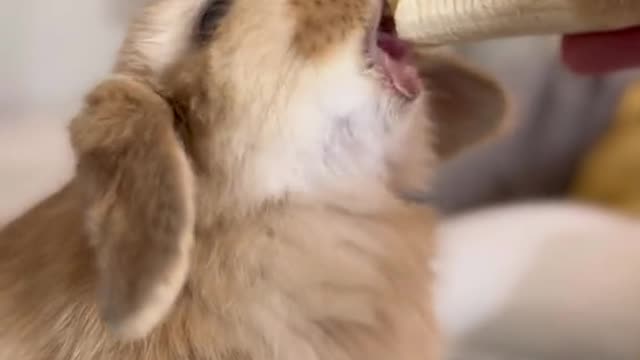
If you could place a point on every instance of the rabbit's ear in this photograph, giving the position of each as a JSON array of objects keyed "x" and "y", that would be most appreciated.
[
  {"x": 140, "y": 187},
  {"x": 465, "y": 105}
]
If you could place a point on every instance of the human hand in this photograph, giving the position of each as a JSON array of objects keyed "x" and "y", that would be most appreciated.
[{"x": 602, "y": 52}]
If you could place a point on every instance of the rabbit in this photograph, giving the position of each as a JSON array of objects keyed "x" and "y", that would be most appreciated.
[{"x": 240, "y": 192}]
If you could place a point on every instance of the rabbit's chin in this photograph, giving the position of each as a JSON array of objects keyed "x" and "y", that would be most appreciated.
[{"x": 390, "y": 57}]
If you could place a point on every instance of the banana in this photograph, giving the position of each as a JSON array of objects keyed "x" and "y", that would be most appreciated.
[{"x": 438, "y": 22}]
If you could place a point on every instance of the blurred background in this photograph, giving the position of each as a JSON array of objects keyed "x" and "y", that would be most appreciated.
[
  {"x": 540, "y": 252},
  {"x": 52, "y": 53}
]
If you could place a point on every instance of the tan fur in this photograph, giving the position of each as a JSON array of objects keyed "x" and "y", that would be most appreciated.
[
  {"x": 141, "y": 212},
  {"x": 238, "y": 199},
  {"x": 323, "y": 23}
]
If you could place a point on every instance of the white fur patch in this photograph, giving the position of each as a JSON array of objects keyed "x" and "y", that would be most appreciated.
[{"x": 341, "y": 125}]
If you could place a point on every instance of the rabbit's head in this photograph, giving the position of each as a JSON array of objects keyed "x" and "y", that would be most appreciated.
[
  {"x": 277, "y": 96},
  {"x": 282, "y": 95},
  {"x": 220, "y": 107}
]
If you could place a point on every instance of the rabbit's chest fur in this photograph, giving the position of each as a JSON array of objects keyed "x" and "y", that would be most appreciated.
[
  {"x": 305, "y": 290},
  {"x": 282, "y": 286}
]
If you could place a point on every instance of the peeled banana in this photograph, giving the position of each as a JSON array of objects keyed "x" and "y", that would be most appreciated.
[{"x": 438, "y": 22}]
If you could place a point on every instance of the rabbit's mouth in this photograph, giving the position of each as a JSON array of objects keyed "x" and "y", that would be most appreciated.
[{"x": 391, "y": 56}]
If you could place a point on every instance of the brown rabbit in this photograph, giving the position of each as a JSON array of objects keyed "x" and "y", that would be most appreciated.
[{"x": 239, "y": 193}]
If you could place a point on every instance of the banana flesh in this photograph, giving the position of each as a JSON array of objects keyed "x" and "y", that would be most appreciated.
[{"x": 438, "y": 22}]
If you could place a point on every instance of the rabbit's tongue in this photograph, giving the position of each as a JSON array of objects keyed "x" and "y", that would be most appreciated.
[{"x": 398, "y": 67}]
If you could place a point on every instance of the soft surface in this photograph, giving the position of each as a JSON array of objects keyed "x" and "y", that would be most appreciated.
[{"x": 541, "y": 281}]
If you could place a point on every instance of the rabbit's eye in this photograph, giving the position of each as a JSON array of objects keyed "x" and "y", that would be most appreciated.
[{"x": 209, "y": 19}]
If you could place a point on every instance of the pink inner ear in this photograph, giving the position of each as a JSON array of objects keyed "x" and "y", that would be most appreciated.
[{"x": 602, "y": 52}]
